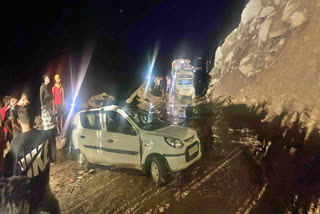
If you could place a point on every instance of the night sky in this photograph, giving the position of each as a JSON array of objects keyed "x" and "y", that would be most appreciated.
[{"x": 38, "y": 37}]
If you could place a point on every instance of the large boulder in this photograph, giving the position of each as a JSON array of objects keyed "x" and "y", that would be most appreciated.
[
  {"x": 264, "y": 30},
  {"x": 290, "y": 8},
  {"x": 252, "y": 9},
  {"x": 297, "y": 18},
  {"x": 99, "y": 100}
]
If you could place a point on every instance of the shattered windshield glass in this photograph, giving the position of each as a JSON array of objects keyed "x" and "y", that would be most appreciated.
[{"x": 146, "y": 121}]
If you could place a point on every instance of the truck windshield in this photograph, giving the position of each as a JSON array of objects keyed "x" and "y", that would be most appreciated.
[
  {"x": 146, "y": 121},
  {"x": 185, "y": 82}
]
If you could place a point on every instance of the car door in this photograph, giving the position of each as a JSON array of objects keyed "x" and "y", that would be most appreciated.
[
  {"x": 120, "y": 142},
  {"x": 89, "y": 135}
]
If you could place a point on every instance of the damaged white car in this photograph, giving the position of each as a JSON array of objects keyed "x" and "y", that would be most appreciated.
[{"x": 127, "y": 138}]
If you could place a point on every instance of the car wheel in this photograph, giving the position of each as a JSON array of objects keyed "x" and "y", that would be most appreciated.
[
  {"x": 159, "y": 171},
  {"x": 82, "y": 161}
]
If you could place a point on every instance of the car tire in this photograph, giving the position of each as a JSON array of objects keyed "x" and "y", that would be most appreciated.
[
  {"x": 82, "y": 161},
  {"x": 159, "y": 171}
]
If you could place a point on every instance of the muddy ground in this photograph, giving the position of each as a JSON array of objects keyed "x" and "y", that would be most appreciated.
[
  {"x": 240, "y": 172},
  {"x": 216, "y": 184}
]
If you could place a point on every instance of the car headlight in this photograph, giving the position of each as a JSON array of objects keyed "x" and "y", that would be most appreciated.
[{"x": 174, "y": 142}]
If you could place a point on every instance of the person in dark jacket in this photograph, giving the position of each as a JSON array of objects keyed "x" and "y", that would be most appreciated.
[
  {"x": 30, "y": 156},
  {"x": 44, "y": 91}
]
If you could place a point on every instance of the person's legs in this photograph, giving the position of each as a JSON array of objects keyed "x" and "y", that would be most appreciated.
[
  {"x": 52, "y": 133},
  {"x": 47, "y": 203},
  {"x": 59, "y": 118},
  {"x": 50, "y": 203}
]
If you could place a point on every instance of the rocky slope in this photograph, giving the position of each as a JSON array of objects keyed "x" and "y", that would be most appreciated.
[{"x": 271, "y": 62}]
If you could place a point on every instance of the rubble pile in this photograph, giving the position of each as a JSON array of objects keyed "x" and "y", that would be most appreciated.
[
  {"x": 144, "y": 99},
  {"x": 99, "y": 100},
  {"x": 271, "y": 61}
]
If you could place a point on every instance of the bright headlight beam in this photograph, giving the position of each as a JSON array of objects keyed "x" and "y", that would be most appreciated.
[
  {"x": 154, "y": 58},
  {"x": 82, "y": 73}
]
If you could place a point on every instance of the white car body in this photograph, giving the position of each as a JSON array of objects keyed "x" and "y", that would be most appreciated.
[{"x": 102, "y": 145}]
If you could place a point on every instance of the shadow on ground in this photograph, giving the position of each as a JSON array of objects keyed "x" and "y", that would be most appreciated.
[{"x": 290, "y": 166}]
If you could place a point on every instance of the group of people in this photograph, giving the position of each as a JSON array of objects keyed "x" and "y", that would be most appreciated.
[
  {"x": 26, "y": 152},
  {"x": 162, "y": 85}
]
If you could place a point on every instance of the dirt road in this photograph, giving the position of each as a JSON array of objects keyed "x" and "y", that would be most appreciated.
[{"x": 215, "y": 184}]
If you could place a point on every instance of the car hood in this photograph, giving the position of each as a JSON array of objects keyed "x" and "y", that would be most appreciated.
[{"x": 179, "y": 132}]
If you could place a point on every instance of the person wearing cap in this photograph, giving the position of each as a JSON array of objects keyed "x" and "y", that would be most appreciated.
[{"x": 58, "y": 97}]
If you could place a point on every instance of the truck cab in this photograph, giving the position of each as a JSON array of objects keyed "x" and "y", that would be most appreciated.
[{"x": 182, "y": 78}]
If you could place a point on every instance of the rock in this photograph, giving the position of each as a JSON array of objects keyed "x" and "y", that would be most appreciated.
[
  {"x": 278, "y": 28},
  {"x": 99, "y": 100},
  {"x": 253, "y": 22},
  {"x": 161, "y": 209},
  {"x": 244, "y": 60},
  {"x": 297, "y": 19},
  {"x": 251, "y": 10},
  {"x": 229, "y": 57},
  {"x": 318, "y": 3},
  {"x": 276, "y": 2},
  {"x": 264, "y": 30},
  {"x": 291, "y": 6},
  {"x": 252, "y": 27},
  {"x": 246, "y": 69},
  {"x": 278, "y": 33},
  {"x": 227, "y": 46},
  {"x": 281, "y": 42},
  {"x": 218, "y": 57},
  {"x": 266, "y": 12}
]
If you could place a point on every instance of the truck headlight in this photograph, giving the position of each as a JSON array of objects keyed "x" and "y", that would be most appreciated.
[{"x": 174, "y": 142}]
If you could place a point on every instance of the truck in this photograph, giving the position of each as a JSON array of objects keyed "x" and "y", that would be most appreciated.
[{"x": 182, "y": 79}]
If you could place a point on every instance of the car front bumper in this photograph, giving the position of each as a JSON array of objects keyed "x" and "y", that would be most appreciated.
[{"x": 180, "y": 162}]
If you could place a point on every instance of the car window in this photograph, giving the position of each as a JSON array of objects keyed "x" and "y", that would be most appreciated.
[
  {"x": 90, "y": 120},
  {"x": 145, "y": 120},
  {"x": 115, "y": 122}
]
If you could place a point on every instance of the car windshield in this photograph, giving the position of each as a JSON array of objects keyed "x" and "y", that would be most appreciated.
[
  {"x": 185, "y": 82},
  {"x": 146, "y": 121}
]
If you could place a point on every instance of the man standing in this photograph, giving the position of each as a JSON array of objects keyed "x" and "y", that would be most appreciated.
[
  {"x": 30, "y": 156},
  {"x": 6, "y": 102},
  {"x": 15, "y": 106},
  {"x": 44, "y": 91},
  {"x": 14, "y": 127},
  {"x": 58, "y": 94},
  {"x": 49, "y": 125}
]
